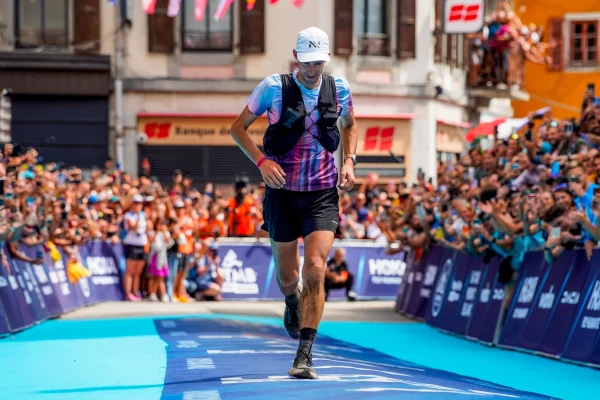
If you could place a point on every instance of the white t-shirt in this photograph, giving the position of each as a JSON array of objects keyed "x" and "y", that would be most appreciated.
[{"x": 138, "y": 236}]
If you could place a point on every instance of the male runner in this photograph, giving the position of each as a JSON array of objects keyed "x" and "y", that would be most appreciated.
[{"x": 301, "y": 198}]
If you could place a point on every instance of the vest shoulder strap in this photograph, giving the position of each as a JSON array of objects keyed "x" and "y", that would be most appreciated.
[
  {"x": 328, "y": 93},
  {"x": 291, "y": 96}
]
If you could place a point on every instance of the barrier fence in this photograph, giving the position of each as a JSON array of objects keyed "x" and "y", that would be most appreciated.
[
  {"x": 555, "y": 309},
  {"x": 33, "y": 293}
]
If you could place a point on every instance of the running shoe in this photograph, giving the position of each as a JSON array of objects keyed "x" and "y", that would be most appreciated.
[
  {"x": 302, "y": 368},
  {"x": 291, "y": 318}
]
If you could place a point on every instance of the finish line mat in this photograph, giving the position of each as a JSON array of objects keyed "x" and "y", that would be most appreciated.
[{"x": 213, "y": 359}]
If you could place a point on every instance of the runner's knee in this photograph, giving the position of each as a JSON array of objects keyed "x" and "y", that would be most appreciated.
[{"x": 313, "y": 272}]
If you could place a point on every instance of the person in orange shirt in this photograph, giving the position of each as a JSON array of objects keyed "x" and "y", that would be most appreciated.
[
  {"x": 241, "y": 210},
  {"x": 211, "y": 225},
  {"x": 185, "y": 248}
]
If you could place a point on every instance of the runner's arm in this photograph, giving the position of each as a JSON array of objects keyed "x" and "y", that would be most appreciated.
[
  {"x": 349, "y": 133},
  {"x": 242, "y": 138}
]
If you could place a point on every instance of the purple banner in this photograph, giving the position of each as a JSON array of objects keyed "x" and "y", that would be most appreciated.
[
  {"x": 532, "y": 273},
  {"x": 584, "y": 333},
  {"x": 4, "y": 328},
  {"x": 437, "y": 311},
  {"x": 546, "y": 301},
  {"x": 483, "y": 303},
  {"x": 379, "y": 274},
  {"x": 41, "y": 281},
  {"x": 103, "y": 261},
  {"x": 245, "y": 268},
  {"x": 424, "y": 282},
  {"x": 472, "y": 284},
  {"x": 13, "y": 301},
  {"x": 496, "y": 298},
  {"x": 557, "y": 331}
]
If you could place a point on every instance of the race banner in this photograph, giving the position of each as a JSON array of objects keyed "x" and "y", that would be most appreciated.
[
  {"x": 546, "y": 300},
  {"x": 586, "y": 326},
  {"x": 4, "y": 327},
  {"x": 42, "y": 280},
  {"x": 13, "y": 301},
  {"x": 532, "y": 272},
  {"x": 490, "y": 299},
  {"x": 245, "y": 270},
  {"x": 424, "y": 281},
  {"x": 437, "y": 311},
  {"x": 472, "y": 284},
  {"x": 577, "y": 279},
  {"x": 103, "y": 261}
]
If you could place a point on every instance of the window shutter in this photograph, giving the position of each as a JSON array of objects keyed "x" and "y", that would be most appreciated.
[
  {"x": 438, "y": 31},
  {"x": 87, "y": 26},
  {"x": 449, "y": 53},
  {"x": 466, "y": 52},
  {"x": 160, "y": 29},
  {"x": 406, "y": 40},
  {"x": 344, "y": 28},
  {"x": 555, "y": 32},
  {"x": 252, "y": 28}
]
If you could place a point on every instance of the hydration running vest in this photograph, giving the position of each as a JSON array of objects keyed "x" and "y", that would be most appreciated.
[{"x": 282, "y": 136}]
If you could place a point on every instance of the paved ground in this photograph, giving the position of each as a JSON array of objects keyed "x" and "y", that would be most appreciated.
[{"x": 361, "y": 311}]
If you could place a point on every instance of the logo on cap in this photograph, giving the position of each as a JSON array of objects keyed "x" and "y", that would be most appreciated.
[{"x": 316, "y": 45}]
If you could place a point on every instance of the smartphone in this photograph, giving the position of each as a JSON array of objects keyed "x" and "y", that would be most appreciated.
[
  {"x": 596, "y": 101},
  {"x": 555, "y": 171},
  {"x": 591, "y": 87},
  {"x": 555, "y": 232}
]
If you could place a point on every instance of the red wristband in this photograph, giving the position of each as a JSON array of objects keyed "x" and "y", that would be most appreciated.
[{"x": 261, "y": 161}]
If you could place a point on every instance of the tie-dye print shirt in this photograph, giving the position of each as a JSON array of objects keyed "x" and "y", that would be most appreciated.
[{"x": 308, "y": 166}]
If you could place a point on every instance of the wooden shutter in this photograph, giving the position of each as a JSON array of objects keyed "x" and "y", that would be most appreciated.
[
  {"x": 555, "y": 32},
  {"x": 252, "y": 28},
  {"x": 160, "y": 29},
  {"x": 438, "y": 31},
  {"x": 406, "y": 41},
  {"x": 344, "y": 28},
  {"x": 87, "y": 26},
  {"x": 449, "y": 52},
  {"x": 466, "y": 51}
]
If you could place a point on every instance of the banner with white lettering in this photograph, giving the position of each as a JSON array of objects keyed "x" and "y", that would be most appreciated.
[
  {"x": 245, "y": 270},
  {"x": 41, "y": 280},
  {"x": 13, "y": 300},
  {"x": 486, "y": 307},
  {"x": 103, "y": 261},
  {"x": 424, "y": 282},
  {"x": 577, "y": 279},
  {"x": 437, "y": 311},
  {"x": 446, "y": 319},
  {"x": 532, "y": 272},
  {"x": 466, "y": 305},
  {"x": 4, "y": 327},
  {"x": 546, "y": 300},
  {"x": 586, "y": 328},
  {"x": 379, "y": 274}
]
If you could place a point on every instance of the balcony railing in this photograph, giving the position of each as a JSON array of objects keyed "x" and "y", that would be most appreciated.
[
  {"x": 194, "y": 40},
  {"x": 374, "y": 44}
]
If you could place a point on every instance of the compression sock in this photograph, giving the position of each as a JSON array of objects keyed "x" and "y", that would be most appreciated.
[{"x": 307, "y": 338}]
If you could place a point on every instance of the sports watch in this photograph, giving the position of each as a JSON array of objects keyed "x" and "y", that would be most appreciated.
[{"x": 351, "y": 156}]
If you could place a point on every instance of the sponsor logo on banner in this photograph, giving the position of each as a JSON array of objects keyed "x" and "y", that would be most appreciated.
[
  {"x": 594, "y": 306},
  {"x": 3, "y": 282},
  {"x": 104, "y": 270},
  {"x": 525, "y": 297},
  {"x": 386, "y": 272},
  {"x": 547, "y": 299},
  {"x": 440, "y": 289},
  {"x": 470, "y": 296},
  {"x": 428, "y": 281},
  {"x": 463, "y": 16},
  {"x": 570, "y": 298},
  {"x": 237, "y": 278}
]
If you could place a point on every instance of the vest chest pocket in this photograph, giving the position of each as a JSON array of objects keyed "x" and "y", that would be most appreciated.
[{"x": 290, "y": 117}]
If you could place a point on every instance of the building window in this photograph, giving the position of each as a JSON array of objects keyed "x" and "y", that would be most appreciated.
[
  {"x": 584, "y": 43},
  {"x": 371, "y": 27},
  {"x": 208, "y": 34},
  {"x": 42, "y": 23}
]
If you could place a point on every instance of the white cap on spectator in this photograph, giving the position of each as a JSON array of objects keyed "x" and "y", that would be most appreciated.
[
  {"x": 137, "y": 198},
  {"x": 179, "y": 204}
]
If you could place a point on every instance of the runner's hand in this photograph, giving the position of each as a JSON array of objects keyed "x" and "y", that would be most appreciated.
[
  {"x": 347, "y": 179},
  {"x": 272, "y": 174}
]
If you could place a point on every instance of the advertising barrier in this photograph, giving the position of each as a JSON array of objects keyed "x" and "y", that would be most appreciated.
[
  {"x": 555, "y": 309},
  {"x": 31, "y": 293}
]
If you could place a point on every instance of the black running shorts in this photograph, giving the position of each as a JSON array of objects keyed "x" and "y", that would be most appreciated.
[{"x": 290, "y": 215}]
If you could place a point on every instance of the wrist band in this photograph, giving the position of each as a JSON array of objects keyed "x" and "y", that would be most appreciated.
[{"x": 261, "y": 161}]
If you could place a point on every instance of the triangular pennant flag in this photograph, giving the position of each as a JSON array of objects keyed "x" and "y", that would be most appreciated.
[
  {"x": 273, "y": 2},
  {"x": 200, "y": 9},
  {"x": 250, "y": 4},
  {"x": 222, "y": 9},
  {"x": 297, "y": 3},
  {"x": 174, "y": 6},
  {"x": 148, "y": 6}
]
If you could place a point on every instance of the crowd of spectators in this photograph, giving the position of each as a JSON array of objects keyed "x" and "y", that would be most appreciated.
[{"x": 499, "y": 52}]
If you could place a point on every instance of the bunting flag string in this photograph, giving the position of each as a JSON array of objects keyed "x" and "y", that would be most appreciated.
[
  {"x": 297, "y": 3},
  {"x": 250, "y": 4},
  {"x": 148, "y": 6},
  {"x": 174, "y": 6},
  {"x": 200, "y": 9},
  {"x": 222, "y": 9}
]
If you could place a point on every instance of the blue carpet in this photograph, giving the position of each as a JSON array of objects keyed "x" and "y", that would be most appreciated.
[{"x": 127, "y": 359}]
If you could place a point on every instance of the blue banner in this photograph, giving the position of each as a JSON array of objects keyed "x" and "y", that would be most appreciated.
[
  {"x": 586, "y": 326},
  {"x": 472, "y": 285},
  {"x": 576, "y": 280},
  {"x": 424, "y": 279},
  {"x": 103, "y": 260},
  {"x": 439, "y": 309},
  {"x": 4, "y": 327},
  {"x": 547, "y": 299},
  {"x": 532, "y": 273}
]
